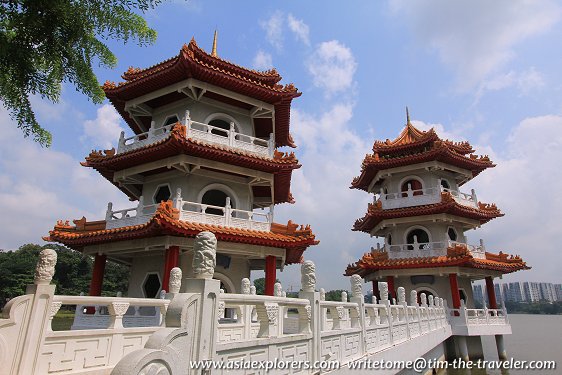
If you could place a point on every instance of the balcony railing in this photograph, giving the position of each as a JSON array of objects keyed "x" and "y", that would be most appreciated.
[
  {"x": 194, "y": 212},
  {"x": 204, "y": 132},
  {"x": 419, "y": 197},
  {"x": 431, "y": 249}
]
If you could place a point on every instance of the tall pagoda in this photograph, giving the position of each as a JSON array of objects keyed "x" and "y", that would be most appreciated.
[
  {"x": 423, "y": 217},
  {"x": 203, "y": 157}
]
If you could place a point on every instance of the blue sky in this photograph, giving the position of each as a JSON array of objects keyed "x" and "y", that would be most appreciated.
[{"x": 486, "y": 72}]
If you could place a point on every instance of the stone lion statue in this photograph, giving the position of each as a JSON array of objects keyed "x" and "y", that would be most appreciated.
[
  {"x": 45, "y": 268},
  {"x": 205, "y": 255},
  {"x": 308, "y": 276}
]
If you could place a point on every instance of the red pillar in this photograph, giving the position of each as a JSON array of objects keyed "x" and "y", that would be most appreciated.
[
  {"x": 492, "y": 304},
  {"x": 456, "y": 296},
  {"x": 376, "y": 292},
  {"x": 171, "y": 260},
  {"x": 97, "y": 275},
  {"x": 391, "y": 290},
  {"x": 270, "y": 269}
]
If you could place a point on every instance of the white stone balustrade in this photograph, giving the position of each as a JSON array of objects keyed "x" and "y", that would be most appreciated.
[
  {"x": 307, "y": 328},
  {"x": 194, "y": 212},
  {"x": 432, "y": 195},
  {"x": 203, "y": 132},
  {"x": 431, "y": 249}
]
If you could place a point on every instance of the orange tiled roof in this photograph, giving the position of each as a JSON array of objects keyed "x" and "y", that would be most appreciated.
[
  {"x": 375, "y": 213},
  {"x": 166, "y": 222},
  {"x": 281, "y": 165},
  {"x": 456, "y": 256},
  {"x": 436, "y": 150},
  {"x": 193, "y": 62}
]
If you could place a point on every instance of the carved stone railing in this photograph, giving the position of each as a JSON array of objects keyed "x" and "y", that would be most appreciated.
[
  {"x": 137, "y": 141},
  {"x": 431, "y": 249},
  {"x": 95, "y": 312},
  {"x": 203, "y": 132},
  {"x": 194, "y": 212},
  {"x": 418, "y": 197}
]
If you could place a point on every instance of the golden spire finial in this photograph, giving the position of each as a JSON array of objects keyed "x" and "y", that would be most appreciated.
[
  {"x": 407, "y": 116},
  {"x": 214, "y": 51}
]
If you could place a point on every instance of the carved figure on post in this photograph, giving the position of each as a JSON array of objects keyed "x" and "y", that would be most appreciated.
[
  {"x": 175, "y": 280},
  {"x": 308, "y": 276},
  {"x": 322, "y": 294},
  {"x": 423, "y": 300},
  {"x": 278, "y": 290},
  {"x": 401, "y": 295},
  {"x": 383, "y": 290},
  {"x": 344, "y": 296},
  {"x": 413, "y": 298},
  {"x": 45, "y": 268},
  {"x": 356, "y": 286},
  {"x": 430, "y": 298},
  {"x": 245, "y": 288},
  {"x": 205, "y": 254}
]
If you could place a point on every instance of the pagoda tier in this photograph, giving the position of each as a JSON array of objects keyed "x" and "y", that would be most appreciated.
[
  {"x": 166, "y": 222},
  {"x": 176, "y": 144},
  {"x": 482, "y": 213},
  {"x": 415, "y": 147},
  {"x": 455, "y": 256},
  {"x": 196, "y": 74}
]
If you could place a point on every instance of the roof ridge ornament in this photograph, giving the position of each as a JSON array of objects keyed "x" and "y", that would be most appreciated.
[
  {"x": 214, "y": 50},
  {"x": 408, "y": 117}
]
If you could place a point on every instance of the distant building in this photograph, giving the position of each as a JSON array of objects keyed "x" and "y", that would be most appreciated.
[
  {"x": 531, "y": 291},
  {"x": 548, "y": 293},
  {"x": 499, "y": 294},
  {"x": 558, "y": 289},
  {"x": 513, "y": 292},
  {"x": 478, "y": 294}
]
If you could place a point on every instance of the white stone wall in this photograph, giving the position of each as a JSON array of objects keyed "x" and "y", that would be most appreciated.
[
  {"x": 192, "y": 185},
  {"x": 141, "y": 267},
  {"x": 200, "y": 112}
]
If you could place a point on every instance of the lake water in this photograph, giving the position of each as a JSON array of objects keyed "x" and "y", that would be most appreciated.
[{"x": 535, "y": 337}]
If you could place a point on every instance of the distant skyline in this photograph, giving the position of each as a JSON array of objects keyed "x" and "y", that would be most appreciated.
[{"x": 485, "y": 72}]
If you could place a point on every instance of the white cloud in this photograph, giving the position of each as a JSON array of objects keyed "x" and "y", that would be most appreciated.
[
  {"x": 262, "y": 61},
  {"x": 299, "y": 28},
  {"x": 39, "y": 186},
  {"x": 331, "y": 154},
  {"x": 273, "y": 28},
  {"x": 332, "y": 67},
  {"x": 104, "y": 130},
  {"x": 524, "y": 186},
  {"x": 525, "y": 82},
  {"x": 476, "y": 38}
]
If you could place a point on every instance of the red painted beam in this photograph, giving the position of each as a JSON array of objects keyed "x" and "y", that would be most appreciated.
[
  {"x": 492, "y": 304},
  {"x": 171, "y": 261},
  {"x": 455, "y": 294}
]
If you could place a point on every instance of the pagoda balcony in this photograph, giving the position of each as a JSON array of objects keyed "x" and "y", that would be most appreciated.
[
  {"x": 193, "y": 212},
  {"x": 419, "y": 197},
  {"x": 201, "y": 132},
  {"x": 431, "y": 249}
]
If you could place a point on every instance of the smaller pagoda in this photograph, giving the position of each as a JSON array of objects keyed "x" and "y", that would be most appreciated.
[{"x": 423, "y": 216}]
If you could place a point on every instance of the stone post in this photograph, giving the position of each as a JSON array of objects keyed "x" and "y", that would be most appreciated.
[
  {"x": 41, "y": 306},
  {"x": 308, "y": 286},
  {"x": 357, "y": 297}
]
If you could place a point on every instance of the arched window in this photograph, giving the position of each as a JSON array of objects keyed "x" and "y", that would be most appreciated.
[
  {"x": 221, "y": 124},
  {"x": 418, "y": 235},
  {"x": 413, "y": 184},
  {"x": 215, "y": 197},
  {"x": 427, "y": 294},
  {"x": 445, "y": 184}
]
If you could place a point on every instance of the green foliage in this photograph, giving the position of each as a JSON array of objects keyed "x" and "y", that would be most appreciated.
[
  {"x": 554, "y": 308},
  {"x": 335, "y": 295},
  {"x": 44, "y": 43},
  {"x": 260, "y": 285},
  {"x": 72, "y": 272}
]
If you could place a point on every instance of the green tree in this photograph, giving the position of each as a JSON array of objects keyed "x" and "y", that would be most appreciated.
[
  {"x": 72, "y": 272},
  {"x": 44, "y": 43},
  {"x": 260, "y": 285}
]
